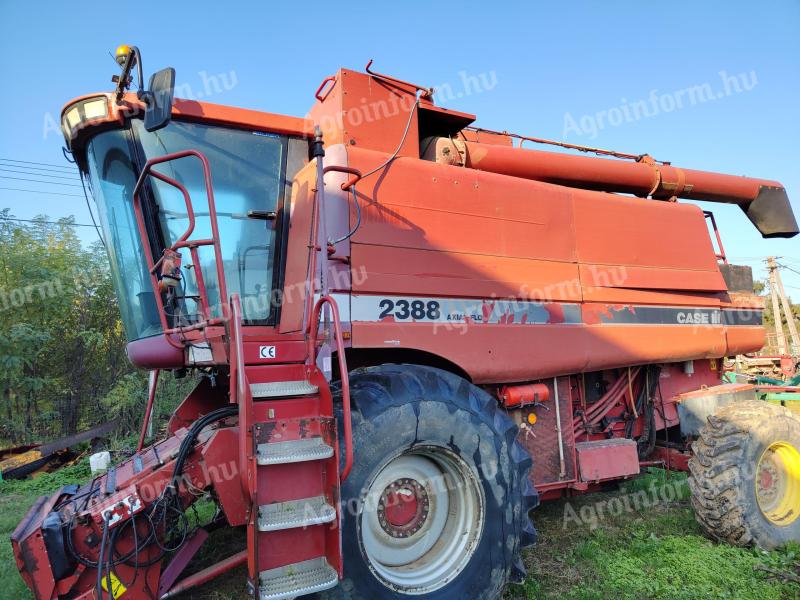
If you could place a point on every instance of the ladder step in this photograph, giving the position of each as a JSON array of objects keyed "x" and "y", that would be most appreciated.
[
  {"x": 295, "y": 513},
  {"x": 298, "y": 579},
  {"x": 293, "y": 451},
  {"x": 279, "y": 389}
]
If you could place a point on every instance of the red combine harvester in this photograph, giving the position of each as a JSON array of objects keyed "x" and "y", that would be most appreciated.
[{"x": 409, "y": 330}]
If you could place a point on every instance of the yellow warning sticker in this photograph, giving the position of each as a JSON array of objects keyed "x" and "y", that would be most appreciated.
[{"x": 117, "y": 588}]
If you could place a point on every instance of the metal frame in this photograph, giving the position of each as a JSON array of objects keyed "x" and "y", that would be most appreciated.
[
  {"x": 721, "y": 254},
  {"x": 183, "y": 242}
]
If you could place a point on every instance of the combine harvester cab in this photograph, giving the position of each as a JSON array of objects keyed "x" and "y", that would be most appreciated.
[{"x": 409, "y": 332}]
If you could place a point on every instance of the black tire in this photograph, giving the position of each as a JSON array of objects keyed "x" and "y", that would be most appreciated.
[
  {"x": 398, "y": 409},
  {"x": 724, "y": 473}
]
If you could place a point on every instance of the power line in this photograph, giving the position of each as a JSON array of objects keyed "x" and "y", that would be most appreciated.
[
  {"x": 747, "y": 260},
  {"x": 38, "y": 192},
  {"x": 737, "y": 257},
  {"x": 30, "y": 162},
  {"x": 39, "y": 181},
  {"x": 2, "y": 219},
  {"x": 789, "y": 268},
  {"x": 91, "y": 213},
  {"x": 61, "y": 174},
  {"x": 48, "y": 171}
]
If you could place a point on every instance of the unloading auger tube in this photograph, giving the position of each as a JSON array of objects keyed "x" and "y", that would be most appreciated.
[{"x": 765, "y": 202}]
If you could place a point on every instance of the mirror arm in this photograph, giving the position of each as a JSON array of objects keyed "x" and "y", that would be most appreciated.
[{"x": 123, "y": 79}]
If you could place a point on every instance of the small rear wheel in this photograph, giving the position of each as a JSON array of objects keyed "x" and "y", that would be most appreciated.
[{"x": 745, "y": 475}]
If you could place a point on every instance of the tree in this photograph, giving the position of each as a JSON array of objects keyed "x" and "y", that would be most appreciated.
[{"x": 61, "y": 339}]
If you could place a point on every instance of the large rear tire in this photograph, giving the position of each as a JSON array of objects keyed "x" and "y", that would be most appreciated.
[
  {"x": 745, "y": 475},
  {"x": 437, "y": 503}
]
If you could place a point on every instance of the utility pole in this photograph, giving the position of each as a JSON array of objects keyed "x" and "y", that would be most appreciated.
[
  {"x": 779, "y": 296},
  {"x": 787, "y": 310}
]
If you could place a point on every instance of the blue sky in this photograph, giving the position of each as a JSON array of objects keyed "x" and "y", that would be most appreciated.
[{"x": 561, "y": 70}]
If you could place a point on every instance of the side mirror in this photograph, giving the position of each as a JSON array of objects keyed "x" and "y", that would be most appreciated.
[{"x": 159, "y": 98}]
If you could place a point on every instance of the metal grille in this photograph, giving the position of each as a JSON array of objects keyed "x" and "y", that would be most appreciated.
[{"x": 541, "y": 438}]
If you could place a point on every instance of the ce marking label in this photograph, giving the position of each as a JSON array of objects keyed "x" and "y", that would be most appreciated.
[{"x": 266, "y": 352}]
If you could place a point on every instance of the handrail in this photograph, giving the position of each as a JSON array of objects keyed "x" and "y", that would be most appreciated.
[
  {"x": 349, "y": 170},
  {"x": 183, "y": 241},
  {"x": 318, "y": 94},
  {"x": 240, "y": 393},
  {"x": 721, "y": 254},
  {"x": 313, "y": 328},
  {"x": 426, "y": 92}
]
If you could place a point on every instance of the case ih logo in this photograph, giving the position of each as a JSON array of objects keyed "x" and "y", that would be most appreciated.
[{"x": 699, "y": 318}]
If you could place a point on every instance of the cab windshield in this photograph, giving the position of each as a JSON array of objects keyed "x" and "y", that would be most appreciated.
[{"x": 248, "y": 172}]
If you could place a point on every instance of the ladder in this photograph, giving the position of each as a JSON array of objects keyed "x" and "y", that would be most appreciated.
[{"x": 289, "y": 461}]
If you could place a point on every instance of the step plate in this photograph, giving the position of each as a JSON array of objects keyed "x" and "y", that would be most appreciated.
[
  {"x": 298, "y": 579},
  {"x": 282, "y": 389},
  {"x": 295, "y": 513},
  {"x": 293, "y": 451}
]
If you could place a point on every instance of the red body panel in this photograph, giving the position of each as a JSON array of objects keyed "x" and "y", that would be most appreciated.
[{"x": 607, "y": 459}]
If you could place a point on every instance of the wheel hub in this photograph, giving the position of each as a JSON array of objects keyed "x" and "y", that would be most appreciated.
[
  {"x": 421, "y": 520},
  {"x": 769, "y": 480},
  {"x": 778, "y": 483},
  {"x": 403, "y": 508}
]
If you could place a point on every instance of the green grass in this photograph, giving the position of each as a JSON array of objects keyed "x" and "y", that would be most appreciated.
[
  {"x": 619, "y": 545},
  {"x": 16, "y": 497},
  {"x": 651, "y": 550},
  {"x": 12, "y": 509}
]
